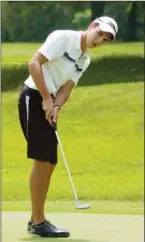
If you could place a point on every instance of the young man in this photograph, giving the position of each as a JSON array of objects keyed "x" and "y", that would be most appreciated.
[{"x": 54, "y": 70}]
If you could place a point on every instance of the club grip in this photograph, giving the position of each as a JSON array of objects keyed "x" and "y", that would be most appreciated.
[{"x": 54, "y": 125}]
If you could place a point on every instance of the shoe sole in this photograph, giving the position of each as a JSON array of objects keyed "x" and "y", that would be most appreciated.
[{"x": 51, "y": 235}]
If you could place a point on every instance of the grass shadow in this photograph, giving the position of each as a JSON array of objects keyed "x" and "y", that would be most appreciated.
[
  {"x": 104, "y": 70},
  {"x": 55, "y": 240},
  {"x": 114, "y": 69},
  {"x": 37, "y": 239},
  {"x": 58, "y": 239}
]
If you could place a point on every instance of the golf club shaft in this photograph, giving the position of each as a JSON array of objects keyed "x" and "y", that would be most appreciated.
[{"x": 65, "y": 162}]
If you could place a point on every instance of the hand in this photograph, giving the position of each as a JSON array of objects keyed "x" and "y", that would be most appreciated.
[
  {"x": 47, "y": 105},
  {"x": 56, "y": 110}
]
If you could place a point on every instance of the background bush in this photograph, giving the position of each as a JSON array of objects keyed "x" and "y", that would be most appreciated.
[{"x": 33, "y": 21}]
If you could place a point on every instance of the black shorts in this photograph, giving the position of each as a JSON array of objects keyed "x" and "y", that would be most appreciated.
[{"x": 40, "y": 136}]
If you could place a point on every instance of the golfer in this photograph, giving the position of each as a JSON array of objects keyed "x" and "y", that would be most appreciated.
[{"x": 55, "y": 70}]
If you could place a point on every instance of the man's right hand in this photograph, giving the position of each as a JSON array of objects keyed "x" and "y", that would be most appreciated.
[{"x": 47, "y": 105}]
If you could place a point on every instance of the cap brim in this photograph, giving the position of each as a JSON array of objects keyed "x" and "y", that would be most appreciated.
[{"x": 107, "y": 28}]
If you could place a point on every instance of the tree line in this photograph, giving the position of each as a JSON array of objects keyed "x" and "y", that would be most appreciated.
[{"x": 33, "y": 21}]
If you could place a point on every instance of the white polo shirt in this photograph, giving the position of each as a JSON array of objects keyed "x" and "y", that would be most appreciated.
[{"x": 62, "y": 48}]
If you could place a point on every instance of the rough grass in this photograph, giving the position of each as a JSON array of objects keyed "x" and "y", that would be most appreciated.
[{"x": 101, "y": 129}]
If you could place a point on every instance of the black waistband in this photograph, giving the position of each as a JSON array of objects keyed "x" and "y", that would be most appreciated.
[{"x": 34, "y": 90}]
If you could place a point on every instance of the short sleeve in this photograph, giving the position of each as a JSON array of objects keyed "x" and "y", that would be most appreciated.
[
  {"x": 77, "y": 75},
  {"x": 54, "y": 46}
]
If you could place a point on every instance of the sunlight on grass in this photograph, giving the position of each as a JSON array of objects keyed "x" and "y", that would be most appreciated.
[{"x": 24, "y": 51}]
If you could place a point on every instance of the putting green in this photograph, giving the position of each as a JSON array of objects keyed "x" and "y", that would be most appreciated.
[{"x": 83, "y": 227}]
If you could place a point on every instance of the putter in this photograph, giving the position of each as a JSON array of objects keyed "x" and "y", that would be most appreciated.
[{"x": 78, "y": 205}]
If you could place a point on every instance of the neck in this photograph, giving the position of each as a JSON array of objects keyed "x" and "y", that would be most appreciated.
[{"x": 83, "y": 42}]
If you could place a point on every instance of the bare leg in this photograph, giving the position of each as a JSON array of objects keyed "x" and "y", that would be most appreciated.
[{"x": 39, "y": 184}]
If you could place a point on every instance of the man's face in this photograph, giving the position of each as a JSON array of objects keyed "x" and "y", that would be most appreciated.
[{"x": 96, "y": 37}]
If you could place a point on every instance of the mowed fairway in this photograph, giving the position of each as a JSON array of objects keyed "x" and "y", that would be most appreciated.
[{"x": 83, "y": 228}]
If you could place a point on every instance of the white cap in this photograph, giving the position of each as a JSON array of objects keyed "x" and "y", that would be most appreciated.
[{"x": 107, "y": 24}]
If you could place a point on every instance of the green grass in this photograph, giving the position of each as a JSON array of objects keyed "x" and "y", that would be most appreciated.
[
  {"x": 99, "y": 207},
  {"x": 22, "y": 52},
  {"x": 101, "y": 129}
]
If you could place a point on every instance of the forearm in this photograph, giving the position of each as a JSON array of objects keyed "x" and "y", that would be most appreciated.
[
  {"x": 35, "y": 70},
  {"x": 64, "y": 93},
  {"x": 62, "y": 96}
]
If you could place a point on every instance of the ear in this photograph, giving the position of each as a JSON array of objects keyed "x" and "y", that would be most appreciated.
[{"x": 91, "y": 25}]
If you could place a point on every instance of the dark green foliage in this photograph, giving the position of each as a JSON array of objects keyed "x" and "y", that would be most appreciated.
[
  {"x": 97, "y": 8},
  {"x": 132, "y": 19},
  {"x": 33, "y": 21}
]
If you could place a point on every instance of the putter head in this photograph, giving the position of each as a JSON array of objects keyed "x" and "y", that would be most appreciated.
[{"x": 82, "y": 206}]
